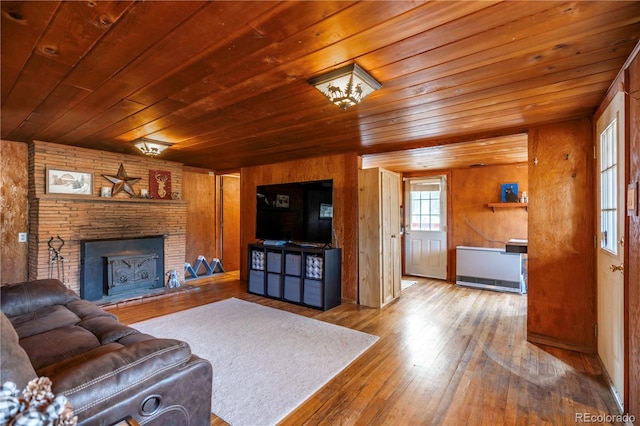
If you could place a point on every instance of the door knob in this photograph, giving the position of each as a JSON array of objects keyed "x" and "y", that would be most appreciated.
[{"x": 617, "y": 268}]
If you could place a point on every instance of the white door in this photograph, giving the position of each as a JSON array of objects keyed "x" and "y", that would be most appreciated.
[
  {"x": 426, "y": 227},
  {"x": 610, "y": 310}
]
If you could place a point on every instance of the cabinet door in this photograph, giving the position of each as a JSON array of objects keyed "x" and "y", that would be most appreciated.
[
  {"x": 369, "y": 238},
  {"x": 391, "y": 262},
  {"x": 379, "y": 229}
]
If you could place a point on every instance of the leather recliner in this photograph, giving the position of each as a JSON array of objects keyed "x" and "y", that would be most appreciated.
[{"x": 107, "y": 371}]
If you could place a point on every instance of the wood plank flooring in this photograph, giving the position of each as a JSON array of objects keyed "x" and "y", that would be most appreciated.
[{"x": 446, "y": 356}]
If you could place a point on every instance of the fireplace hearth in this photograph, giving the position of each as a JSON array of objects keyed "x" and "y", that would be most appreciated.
[{"x": 118, "y": 269}]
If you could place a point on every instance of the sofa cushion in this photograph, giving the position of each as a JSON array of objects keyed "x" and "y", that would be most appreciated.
[
  {"x": 43, "y": 320},
  {"x": 17, "y": 299},
  {"x": 70, "y": 363},
  {"x": 85, "y": 310},
  {"x": 107, "y": 330},
  {"x": 135, "y": 338},
  {"x": 55, "y": 345},
  {"x": 15, "y": 365}
]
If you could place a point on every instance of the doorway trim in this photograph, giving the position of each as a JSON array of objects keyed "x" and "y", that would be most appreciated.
[{"x": 616, "y": 111}]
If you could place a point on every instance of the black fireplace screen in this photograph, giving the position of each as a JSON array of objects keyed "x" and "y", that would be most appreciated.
[{"x": 130, "y": 271}]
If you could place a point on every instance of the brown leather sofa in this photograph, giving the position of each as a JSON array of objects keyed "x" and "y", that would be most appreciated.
[{"x": 107, "y": 371}]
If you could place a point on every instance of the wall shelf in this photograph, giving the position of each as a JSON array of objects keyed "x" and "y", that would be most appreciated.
[
  {"x": 95, "y": 199},
  {"x": 494, "y": 206}
]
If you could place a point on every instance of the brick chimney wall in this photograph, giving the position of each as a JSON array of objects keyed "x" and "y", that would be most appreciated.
[{"x": 80, "y": 217}]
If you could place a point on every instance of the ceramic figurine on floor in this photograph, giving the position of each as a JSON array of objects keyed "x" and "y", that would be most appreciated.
[{"x": 173, "y": 279}]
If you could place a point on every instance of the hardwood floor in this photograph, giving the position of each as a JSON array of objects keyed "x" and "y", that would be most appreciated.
[{"x": 446, "y": 356}]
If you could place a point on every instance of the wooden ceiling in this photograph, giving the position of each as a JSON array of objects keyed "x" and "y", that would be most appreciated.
[
  {"x": 226, "y": 81},
  {"x": 509, "y": 149}
]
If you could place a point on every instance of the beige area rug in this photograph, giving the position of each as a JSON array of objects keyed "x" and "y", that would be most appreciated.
[{"x": 265, "y": 361}]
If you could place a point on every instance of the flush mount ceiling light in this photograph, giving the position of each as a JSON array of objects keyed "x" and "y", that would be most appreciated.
[
  {"x": 150, "y": 147},
  {"x": 346, "y": 86}
]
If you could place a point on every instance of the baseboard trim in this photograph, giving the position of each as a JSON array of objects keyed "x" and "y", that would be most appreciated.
[{"x": 556, "y": 343}]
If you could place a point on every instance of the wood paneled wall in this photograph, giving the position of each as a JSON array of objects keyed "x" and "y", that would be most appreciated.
[
  {"x": 343, "y": 169},
  {"x": 561, "y": 294},
  {"x": 75, "y": 218},
  {"x": 474, "y": 223},
  {"x": 633, "y": 247},
  {"x": 14, "y": 214},
  {"x": 199, "y": 187}
]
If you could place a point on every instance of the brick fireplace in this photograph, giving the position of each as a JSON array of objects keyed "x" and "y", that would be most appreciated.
[{"x": 78, "y": 218}]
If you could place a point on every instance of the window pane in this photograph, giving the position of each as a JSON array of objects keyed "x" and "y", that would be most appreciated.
[
  {"x": 415, "y": 221},
  {"x": 435, "y": 206},
  {"x": 425, "y": 206},
  {"x": 609, "y": 188},
  {"x": 435, "y": 223}
]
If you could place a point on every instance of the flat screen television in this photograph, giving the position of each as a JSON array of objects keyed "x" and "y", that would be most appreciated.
[{"x": 298, "y": 212}]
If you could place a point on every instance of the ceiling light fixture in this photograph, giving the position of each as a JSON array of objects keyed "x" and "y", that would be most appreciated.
[
  {"x": 150, "y": 147},
  {"x": 346, "y": 86}
]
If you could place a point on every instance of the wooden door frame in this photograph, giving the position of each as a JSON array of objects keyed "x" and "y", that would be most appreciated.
[{"x": 622, "y": 83}]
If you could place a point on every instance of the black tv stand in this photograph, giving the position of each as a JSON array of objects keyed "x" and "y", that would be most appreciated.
[{"x": 309, "y": 276}]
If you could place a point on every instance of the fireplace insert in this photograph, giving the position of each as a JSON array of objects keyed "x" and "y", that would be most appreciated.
[{"x": 116, "y": 269}]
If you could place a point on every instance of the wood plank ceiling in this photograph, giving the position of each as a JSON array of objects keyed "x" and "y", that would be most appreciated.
[{"x": 226, "y": 81}]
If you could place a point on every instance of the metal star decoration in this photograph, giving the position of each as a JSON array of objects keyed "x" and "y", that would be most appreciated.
[{"x": 121, "y": 181}]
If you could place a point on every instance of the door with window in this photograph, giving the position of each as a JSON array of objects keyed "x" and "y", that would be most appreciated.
[
  {"x": 610, "y": 253},
  {"x": 426, "y": 227}
]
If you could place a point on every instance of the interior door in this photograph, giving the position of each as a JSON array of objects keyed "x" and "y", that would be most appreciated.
[
  {"x": 390, "y": 205},
  {"x": 426, "y": 229},
  {"x": 230, "y": 221},
  {"x": 610, "y": 159}
]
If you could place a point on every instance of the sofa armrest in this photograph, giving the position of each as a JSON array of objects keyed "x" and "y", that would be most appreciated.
[
  {"x": 15, "y": 365},
  {"x": 18, "y": 299},
  {"x": 180, "y": 398},
  {"x": 113, "y": 374}
]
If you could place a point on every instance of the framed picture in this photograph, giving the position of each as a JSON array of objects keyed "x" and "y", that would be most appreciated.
[
  {"x": 326, "y": 211},
  {"x": 282, "y": 201},
  {"x": 160, "y": 184},
  {"x": 509, "y": 193},
  {"x": 69, "y": 182}
]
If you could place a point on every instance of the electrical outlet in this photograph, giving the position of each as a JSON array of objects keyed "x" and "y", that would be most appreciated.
[{"x": 22, "y": 237}]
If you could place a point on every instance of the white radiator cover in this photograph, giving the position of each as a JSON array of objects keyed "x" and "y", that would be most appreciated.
[{"x": 489, "y": 268}]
